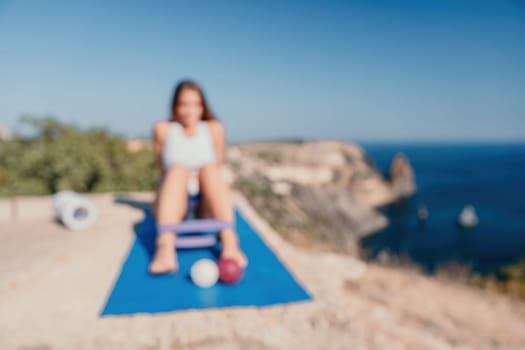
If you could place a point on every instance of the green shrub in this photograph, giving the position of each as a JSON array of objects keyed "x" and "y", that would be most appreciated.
[{"x": 61, "y": 156}]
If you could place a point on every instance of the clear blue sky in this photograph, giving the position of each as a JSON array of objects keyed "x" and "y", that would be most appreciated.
[{"x": 354, "y": 70}]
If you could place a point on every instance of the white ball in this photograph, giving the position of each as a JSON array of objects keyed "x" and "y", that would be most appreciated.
[{"x": 204, "y": 273}]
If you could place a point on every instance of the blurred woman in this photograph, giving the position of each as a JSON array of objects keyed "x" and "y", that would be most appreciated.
[{"x": 190, "y": 147}]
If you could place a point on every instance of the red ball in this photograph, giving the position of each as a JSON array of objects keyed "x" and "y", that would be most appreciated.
[{"x": 229, "y": 271}]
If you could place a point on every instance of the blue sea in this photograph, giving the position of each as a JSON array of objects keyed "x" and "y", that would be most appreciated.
[{"x": 491, "y": 177}]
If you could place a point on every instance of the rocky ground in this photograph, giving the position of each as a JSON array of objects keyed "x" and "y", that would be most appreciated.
[{"x": 54, "y": 282}]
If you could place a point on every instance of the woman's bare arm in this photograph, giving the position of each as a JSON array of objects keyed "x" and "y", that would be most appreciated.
[
  {"x": 219, "y": 140},
  {"x": 159, "y": 135}
]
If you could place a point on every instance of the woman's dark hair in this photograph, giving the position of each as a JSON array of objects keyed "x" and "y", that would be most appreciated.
[{"x": 207, "y": 114}]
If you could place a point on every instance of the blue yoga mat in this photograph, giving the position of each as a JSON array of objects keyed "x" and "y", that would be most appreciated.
[{"x": 266, "y": 281}]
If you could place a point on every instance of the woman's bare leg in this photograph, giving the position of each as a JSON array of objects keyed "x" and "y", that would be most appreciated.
[
  {"x": 217, "y": 198},
  {"x": 169, "y": 208}
]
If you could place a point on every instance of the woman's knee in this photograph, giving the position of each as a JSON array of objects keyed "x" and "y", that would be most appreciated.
[
  {"x": 212, "y": 182},
  {"x": 210, "y": 167},
  {"x": 177, "y": 173},
  {"x": 209, "y": 171}
]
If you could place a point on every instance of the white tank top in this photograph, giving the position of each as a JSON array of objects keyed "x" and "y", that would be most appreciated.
[{"x": 190, "y": 151}]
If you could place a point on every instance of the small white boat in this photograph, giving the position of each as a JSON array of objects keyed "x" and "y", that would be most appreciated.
[{"x": 468, "y": 217}]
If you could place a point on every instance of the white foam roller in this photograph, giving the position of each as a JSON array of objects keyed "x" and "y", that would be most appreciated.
[{"x": 73, "y": 210}]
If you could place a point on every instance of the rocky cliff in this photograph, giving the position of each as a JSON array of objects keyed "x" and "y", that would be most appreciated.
[{"x": 322, "y": 193}]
